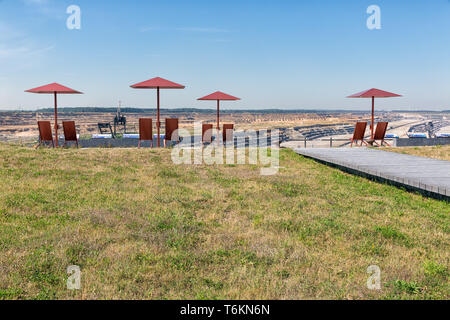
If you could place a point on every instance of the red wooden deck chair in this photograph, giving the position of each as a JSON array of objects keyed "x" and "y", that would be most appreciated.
[
  {"x": 380, "y": 134},
  {"x": 145, "y": 131},
  {"x": 228, "y": 130},
  {"x": 45, "y": 133},
  {"x": 207, "y": 130},
  {"x": 360, "y": 132},
  {"x": 70, "y": 132},
  {"x": 171, "y": 131}
]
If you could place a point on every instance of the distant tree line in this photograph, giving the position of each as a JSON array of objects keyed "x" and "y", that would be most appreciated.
[
  {"x": 190, "y": 110},
  {"x": 212, "y": 111}
]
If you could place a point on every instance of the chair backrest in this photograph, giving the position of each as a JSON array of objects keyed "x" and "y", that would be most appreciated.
[
  {"x": 228, "y": 132},
  {"x": 45, "y": 131},
  {"x": 146, "y": 129},
  {"x": 380, "y": 132},
  {"x": 171, "y": 128},
  {"x": 70, "y": 132},
  {"x": 207, "y": 130},
  {"x": 360, "y": 131}
]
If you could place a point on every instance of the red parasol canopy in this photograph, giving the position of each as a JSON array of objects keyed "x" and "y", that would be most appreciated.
[
  {"x": 54, "y": 88},
  {"x": 157, "y": 83},
  {"x": 374, "y": 93},
  {"x": 218, "y": 96}
]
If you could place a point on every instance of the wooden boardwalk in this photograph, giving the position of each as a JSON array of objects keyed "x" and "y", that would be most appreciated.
[{"x": 428, "y": 176}]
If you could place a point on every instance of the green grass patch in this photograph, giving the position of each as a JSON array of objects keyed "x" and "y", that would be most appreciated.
[{"x": 141, "y": 227}]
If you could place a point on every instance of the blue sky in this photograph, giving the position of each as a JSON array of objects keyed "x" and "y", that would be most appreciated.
[{"x": 272, "y": 54}]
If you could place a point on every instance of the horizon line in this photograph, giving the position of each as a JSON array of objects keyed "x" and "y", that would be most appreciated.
[{"x": 186, "y": 109}]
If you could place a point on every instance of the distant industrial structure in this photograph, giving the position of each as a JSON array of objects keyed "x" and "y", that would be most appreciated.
[
  {"x": 120, "y": 121},
  {"x": 430, "y": 129}
]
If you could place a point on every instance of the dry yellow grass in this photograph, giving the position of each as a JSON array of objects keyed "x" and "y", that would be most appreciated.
[
  {"x": 142, "y": 228},
  {"x": 437, "y": 152}
]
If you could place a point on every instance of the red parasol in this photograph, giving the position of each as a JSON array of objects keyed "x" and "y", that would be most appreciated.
[
  {"x": 157, "y": 83},
  {"x": 374, "y": 93},
  {"x": 218, "y": 96},
  {"x": 54, "y": 88}
]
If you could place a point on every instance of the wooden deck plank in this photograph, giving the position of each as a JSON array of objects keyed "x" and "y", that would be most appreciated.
[{"x": 429, "y": 176}]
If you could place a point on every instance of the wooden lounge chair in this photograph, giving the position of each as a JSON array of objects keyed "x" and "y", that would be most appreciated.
[
  {"x": 171, "y": 131},
  {"x": 207, "y": 130},
  {"x": 380, "y": 134},
  {"x": 45, "y": 133},
  {"x": 70, "y": 132},
  {"x": 145, "y": 131},
  {"x": 360, "y": 132},
  {"x": 228, "y": 130}
]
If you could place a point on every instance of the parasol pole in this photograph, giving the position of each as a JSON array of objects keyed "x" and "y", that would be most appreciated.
[
  {"x": 373, "y": 117},
  {"x": 158, "y": 124},
  {"x": 56, "y": 119},
  {"x": 218, "y": 121}
]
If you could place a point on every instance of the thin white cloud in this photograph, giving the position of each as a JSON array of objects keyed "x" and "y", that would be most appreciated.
[
  {"x": 185, "y": 29},
  {"x": 7, "y": 33},
  {"x": 48, "y": 8},
  {"x": 20, "y": 52},
  {"x": 35, "y": 2},
  {"x": 202, "y": 30},
  {"x": 16, "y": 45}
]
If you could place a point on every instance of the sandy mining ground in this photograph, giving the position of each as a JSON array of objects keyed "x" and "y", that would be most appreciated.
[
  {"x": 401, "y": 128},
  {"x": 22, "y": 126},
  {"x": 445, "y": 130}
]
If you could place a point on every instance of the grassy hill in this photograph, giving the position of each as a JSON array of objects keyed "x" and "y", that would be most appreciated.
[{"x": 142, "y": 228}]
